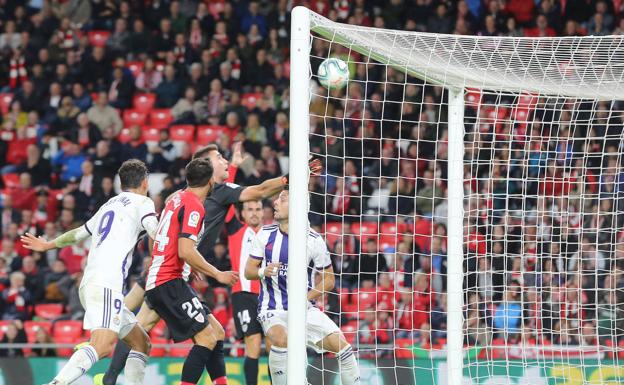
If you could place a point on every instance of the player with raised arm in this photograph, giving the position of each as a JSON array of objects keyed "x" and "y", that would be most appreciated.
[
  {"x": 268, "y": 262},
  {"x": 168, "y": 293},
  {"x": 245, "y": 293},
  {"x": 114, "y": 231}
]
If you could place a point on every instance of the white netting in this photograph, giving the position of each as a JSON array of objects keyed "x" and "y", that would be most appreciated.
[{"x": 544, "y": 188}]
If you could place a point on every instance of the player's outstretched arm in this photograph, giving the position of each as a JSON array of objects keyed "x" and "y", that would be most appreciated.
[
  {"x": 323, "y": 283},
  {"x": 68, "y": 238},
  {"x": 270, "y": 187},
  {"x": 188, "y": 252}
]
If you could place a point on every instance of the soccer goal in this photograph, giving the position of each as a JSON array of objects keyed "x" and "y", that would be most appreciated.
[{"x": 472, "y": 200}]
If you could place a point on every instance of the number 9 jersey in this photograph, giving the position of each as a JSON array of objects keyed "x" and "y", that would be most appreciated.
[
  {"x": 182, "y": 217},
  {"x": 115, "y": 229}
]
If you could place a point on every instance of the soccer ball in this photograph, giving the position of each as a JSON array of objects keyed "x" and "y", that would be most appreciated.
[{"x": 333, "y": 73}]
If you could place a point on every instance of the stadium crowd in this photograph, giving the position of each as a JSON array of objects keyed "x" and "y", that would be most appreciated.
[{"x": 92, "y": 83}]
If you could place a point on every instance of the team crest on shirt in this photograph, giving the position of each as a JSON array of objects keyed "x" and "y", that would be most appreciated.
[
  {"x": 116, "y": 320},
  {"x": 193, "y": 220}
]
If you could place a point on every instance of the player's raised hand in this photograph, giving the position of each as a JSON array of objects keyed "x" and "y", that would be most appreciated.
[
  {"x": 316, "y": 166},
  {"x": 237, "y": 154},
  {"x": 36, "y": 243},
  {"x": 228, "y": 277},
  {"x": 272, "y": 269}
]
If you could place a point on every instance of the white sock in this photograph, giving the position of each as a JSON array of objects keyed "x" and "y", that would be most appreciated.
[
  {"x": 277, "y": 365},
  {"x": 349, "y": 371},
  {"x": 79, "y": 363},
  {"x": 135, "y": 368}
]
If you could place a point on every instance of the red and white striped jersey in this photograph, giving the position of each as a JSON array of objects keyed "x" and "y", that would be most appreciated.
[
  {"x": 183, "y": 217},
  {"x": 240, "y": 238}
]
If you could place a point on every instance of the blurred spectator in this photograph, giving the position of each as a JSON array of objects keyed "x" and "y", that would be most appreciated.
[
  {"x": 136, "y": 147},
  {"x": 16, "y": 298},
  {"x": 34, "y": 278},
  {"x": 43, "y": 337},
  {"x": 121, "y": 90},
  {"x": 149, "y": 78},
  {"x": 103, "y": 115},
  {"x": 69, "y": 162},
  {"x": 162, "y": 154},
  {"x": 14, "y": 334},
  {"x": 24, "y": 197},
  {"x": 189, "y": 110},
  {"x": 169, "y": 90}
]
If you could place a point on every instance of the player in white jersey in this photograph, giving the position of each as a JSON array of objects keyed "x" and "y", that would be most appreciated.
[
  {"x": 268, "y": 263},
  {"x": 114, "y": 231}
]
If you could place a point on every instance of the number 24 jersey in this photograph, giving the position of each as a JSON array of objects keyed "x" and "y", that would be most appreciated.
[{"x": 182, "y": 217}]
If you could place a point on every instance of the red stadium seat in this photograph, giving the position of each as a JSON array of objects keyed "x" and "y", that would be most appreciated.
[
  {"x": 403, "y": 347},
  {"x": 5, "y": 102},
  {"x": 135, "y": 67},
  {"x": 67, "y": 332},
  {"x": 350, "y": 332},
  {"x": 151, "y": 134},
  {"x": 143, "y": 102},
  {"x": 161, "y": 118},
  {"x": 98, "y": 38},
  {"x": 182, "y": 133},
  {"x": 48, "y": 311},
  {"x": 388, "y": 235},
  {"x": 67, "y": 329},
  {"x": 333, "y": 232},
  {"x": 134, "y": 118},
  {"x": 124, "y": 135},
  {"x": 210, "y": 134},
  {"x": 250, "y": 100},
  {"x": 473, "y": 98},
  {"x": 158, "y": 351},
  {"x": 3, "y": 327},
  {"x": 178, "y": 351},
  {"x": 365, "y": 231},
  {"x": 32, "y": 327},
  {"x": 365, "y": 299},
  {"x": 527, "y": 101},
  {"x": 159, "y": 330},
  {"x": 10, "y": 180}
]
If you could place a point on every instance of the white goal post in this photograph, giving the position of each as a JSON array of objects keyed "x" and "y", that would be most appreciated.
[{"x": 559, "y": 75}]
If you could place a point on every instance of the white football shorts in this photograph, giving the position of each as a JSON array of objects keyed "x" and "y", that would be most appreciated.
[
  {"x": 105, "y": 309},
  {"x": 318, "y": 327}
]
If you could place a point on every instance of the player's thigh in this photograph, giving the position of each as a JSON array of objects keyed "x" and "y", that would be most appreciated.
[
  {"x": 134, "y": 298},
  {"x": 104, "y": 308},
  {"x": 275, "y": 326},
  {"x": 102, "y": 340},
  {"x": 206, "y": 337},
  {"x": 147, "y": 317},
  {"x": 217, "y": 328},
  {"x": 177, "y": 303},
  {"x": 322, "y": 332}
]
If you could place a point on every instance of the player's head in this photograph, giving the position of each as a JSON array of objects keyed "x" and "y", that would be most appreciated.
[
  {"x": 199, "y": 173},
  {"x": 252, "y": 213},
  {"x": 280, "y": 205},
  {"x": 219, "y": 163},
  {"x": 133, "y": 176}
]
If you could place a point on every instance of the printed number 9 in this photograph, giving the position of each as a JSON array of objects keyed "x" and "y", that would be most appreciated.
[
  {"x": 117, "y": 305},
  {"x": 105, "y": 225}
]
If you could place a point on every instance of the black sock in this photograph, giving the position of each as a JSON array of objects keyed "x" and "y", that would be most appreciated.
[
  {"x": 117, "y": 364},
  {"x": 251, "y": 371},
  {"x": 194, "y": 364},
  {"x": 216, "y": 365}
]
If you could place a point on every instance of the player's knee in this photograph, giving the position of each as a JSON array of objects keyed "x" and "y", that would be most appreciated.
[
  {"x": 103, "y": 348},
  {"x": 206, "y": 338},
  {"x": 280, "y": 340}
]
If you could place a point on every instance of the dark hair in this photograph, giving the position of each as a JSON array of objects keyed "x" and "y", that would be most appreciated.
[
  {"x": 204, "y": 151},
  {"x": 198, "y": 172},
  {"x": 132, "y": 173}
]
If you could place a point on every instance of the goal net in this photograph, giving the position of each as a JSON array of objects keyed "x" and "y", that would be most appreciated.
[{"x": 472, "y": 201}]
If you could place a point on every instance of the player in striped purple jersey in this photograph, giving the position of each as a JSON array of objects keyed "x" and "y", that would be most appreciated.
[{"x": 268, "y": 263}]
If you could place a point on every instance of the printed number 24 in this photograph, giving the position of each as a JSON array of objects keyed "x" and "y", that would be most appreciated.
[{"x": 193, "y": 309}]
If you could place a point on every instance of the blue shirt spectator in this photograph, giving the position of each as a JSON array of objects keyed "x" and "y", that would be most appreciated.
[{"x": 69, "y": 161}]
